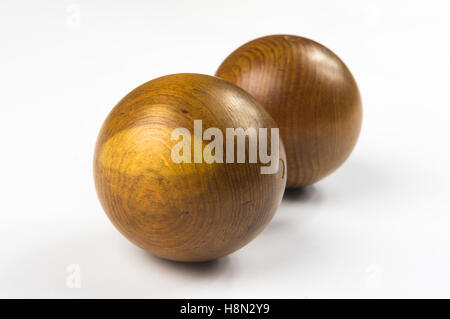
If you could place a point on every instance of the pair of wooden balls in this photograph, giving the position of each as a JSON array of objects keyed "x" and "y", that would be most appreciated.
[{"x": 199, "y": 211}]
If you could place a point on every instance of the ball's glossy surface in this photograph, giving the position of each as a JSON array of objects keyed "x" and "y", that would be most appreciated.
[
  {"x": 183, "y": 211},
  {"x": 309, "y": 92}
]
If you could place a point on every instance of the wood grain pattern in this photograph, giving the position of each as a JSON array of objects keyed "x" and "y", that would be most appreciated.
[
  {"x": 309, "y": 92},
  {"x": 187, "y": 211}
]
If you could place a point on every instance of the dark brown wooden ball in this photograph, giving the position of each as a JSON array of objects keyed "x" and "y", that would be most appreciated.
[
  {"x": 183, "y": 211},
  {"x": 309, "y": 92}
]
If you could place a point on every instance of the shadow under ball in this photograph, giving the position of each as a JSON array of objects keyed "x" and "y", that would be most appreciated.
[
  {"x": 187, "y": 211},
  {"x": 309, "y": 92}
]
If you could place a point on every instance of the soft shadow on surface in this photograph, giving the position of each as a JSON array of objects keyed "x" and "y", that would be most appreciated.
[
  {"x": 356, "y": 178},
  {"x": 196, "y": 269},
  {"x": 108, "y": 267},
  {"x": 302, "y": 194}
]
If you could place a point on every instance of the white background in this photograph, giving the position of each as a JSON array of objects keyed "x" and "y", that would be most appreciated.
[{"x": 378, "y": 227}]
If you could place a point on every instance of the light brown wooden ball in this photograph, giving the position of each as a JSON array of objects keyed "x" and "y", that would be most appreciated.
[
  {"x": 309, "y": 92},
  {"x": 187, "y": 211}
]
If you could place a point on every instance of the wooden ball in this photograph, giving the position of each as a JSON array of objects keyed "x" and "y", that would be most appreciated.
[
  {"x": 183, "y": 211},
  {"x": 309, "y": 92}
]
